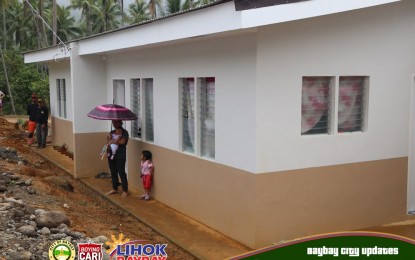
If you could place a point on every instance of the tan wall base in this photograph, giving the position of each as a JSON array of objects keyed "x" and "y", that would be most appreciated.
[
  {"x": 62, "y": 133},
  {"x": 87, "y": 159},
  {"x": 311, "y": 201},
  {"x": 260, "y": 209}
]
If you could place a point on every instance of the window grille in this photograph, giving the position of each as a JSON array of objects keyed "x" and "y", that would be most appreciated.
[
  {"x": 64, "y": 97},
  {"x": 58, "y": 97},
  {"x": 148, "y": 109},
  {"x": 207, "y": 117},
  {"x": 135, "y": 106},
  {"x": 188, "y": 114},
  {"x": 316, "y": 105},
  {"x": 351, "y": 109},
  {"x": 61, "y": 97}
]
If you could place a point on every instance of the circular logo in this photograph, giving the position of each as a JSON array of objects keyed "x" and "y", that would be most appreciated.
[{"x": 61, "y": 250}]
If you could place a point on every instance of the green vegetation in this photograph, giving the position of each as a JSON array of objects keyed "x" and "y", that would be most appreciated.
[{"x": 27, "y": 25}]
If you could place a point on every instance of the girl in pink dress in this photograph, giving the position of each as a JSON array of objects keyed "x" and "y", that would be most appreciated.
[{"x": 147, "y": 170}]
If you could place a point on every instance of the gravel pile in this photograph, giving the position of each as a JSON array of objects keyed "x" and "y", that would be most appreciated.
[{"x": 26, "y": 232}]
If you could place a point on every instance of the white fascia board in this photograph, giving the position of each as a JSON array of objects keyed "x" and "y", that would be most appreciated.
[
  {"x": 211, "y": 20},
  {"x": 302, "y": 10},
  {"x": 45, "y": 55}
]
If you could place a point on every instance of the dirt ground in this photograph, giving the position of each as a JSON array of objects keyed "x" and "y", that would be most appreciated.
[{"x": 88, "y": 212}]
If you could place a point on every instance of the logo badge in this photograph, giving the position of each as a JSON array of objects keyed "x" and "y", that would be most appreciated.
[
  {"x": 124, "y": 249},
  {"x": 62, "y": 250},
  {"x": 90, "y": 251}
]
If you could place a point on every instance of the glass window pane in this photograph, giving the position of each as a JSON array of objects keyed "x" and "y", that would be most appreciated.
[
  {"x": 315, "y": 105},
  {"x": 135, "y": 107},
  {"x": 207, "y": 117},
  {"x": 148, "y": 103},
  {"x": 188, "y": 113},
  {"x": 351, "y": 103}
]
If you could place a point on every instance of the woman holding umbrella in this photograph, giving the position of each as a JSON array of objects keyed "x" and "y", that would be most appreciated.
[
  {"x": 116, "y": 113},
  {"x": 117, "y": 164}
]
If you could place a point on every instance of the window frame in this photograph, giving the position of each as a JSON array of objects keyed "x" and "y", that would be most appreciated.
[
  {"x": 197, "y": 109},
  {"x": 144, "y": 109},
  {"x": 61, "y": 98},
  {"x": 334, "y": 99}
]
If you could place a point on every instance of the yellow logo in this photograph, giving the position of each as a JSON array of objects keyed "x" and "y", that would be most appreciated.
[
  {"x": 61, "y": 250},
  {"x": 115, "y": 242}
]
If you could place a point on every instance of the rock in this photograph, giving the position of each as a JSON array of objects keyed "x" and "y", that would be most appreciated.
[
  {"x": 5, "y": 206},
  {"x": 28, "y": 182},
  {"x": 18, "y": 213},
  {"x": 99, "y": 239},
  {"x": 44, "y": 231},
  {"x": 58, "y": 236},
  {"x": 3, "y": 188},
  {"x": 13, "y": 200},
  {"x": 27, "y": 230},
  {"x": 14, "y": 177},
  {"x": 24, "y": 255},
  {"x": 51, "y": 219},
  {"x": 59, "y": 183}
]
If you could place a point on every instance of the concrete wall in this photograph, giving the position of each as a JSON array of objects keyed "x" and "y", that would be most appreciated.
[
  {"x": 230, "y": 60},
  {"x": 375, "y": 42},
  {"x": 260, "y": 209}
]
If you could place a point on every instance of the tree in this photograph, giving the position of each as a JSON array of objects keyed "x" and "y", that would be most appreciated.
[
  {"x": 67, "y": 28},
  {"x": 4, "y": 4},
  {"x": 106, "y": 15},
  {"x": 54, "y": 21},
  {"x": 24, "y": 79},
  {"x": 173, "y": 6},
  {"x": 86, "y": 7},
  {"x": 138, "y": 12},
  {"x": 153, "y": 5}
]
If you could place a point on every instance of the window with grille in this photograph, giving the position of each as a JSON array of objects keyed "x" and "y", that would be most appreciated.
[
  {"x": 316, "y": 105},
  {"x": 61, "y": 97},
  {"x": 207, "y": 117},
  {"x": 351, "y": 111},
  {"x": 135, "y": 107},
  {"x": 188, "y": 113},
  {"x": 148, "y": 110},
  {"x": 198, "y": 116}
]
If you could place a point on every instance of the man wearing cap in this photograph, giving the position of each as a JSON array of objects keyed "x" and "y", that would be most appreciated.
[
  {"x": 41, "y": 124},
  {"x": 32, "y": 112}
]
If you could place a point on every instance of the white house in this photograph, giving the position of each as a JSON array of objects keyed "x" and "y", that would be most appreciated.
[{"x": 266, "y": 124}]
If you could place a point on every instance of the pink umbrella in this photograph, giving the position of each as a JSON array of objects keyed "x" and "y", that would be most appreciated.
[{"x": 112, "y": 112}]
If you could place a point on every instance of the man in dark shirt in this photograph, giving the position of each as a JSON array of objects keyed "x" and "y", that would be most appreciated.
[
  {"x": 32, "y": 112},
  {"x": 117, "y": 164},
  {"x": 41, "y": 124}
]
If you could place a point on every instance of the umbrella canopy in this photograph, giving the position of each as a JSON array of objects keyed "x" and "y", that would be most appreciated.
[{"x": 112, "y": 112}]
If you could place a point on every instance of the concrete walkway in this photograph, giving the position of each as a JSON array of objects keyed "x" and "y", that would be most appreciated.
[{"x": 194, "y": 237}]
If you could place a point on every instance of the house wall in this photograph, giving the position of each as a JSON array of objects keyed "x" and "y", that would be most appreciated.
[
  {"x": 373, "y": 42},
  {"x": 62, "y": 133},
  {"x": 89, "y": 88},
  {"x": 230, "y": 60},
  {"x": 61, "y": 128}
]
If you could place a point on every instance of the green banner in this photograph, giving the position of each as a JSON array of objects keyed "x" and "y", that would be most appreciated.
[{"x": 346, "y": 245}]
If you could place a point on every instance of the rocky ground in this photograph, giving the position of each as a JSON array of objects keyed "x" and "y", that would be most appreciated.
[{"x": 39, "y": 204}]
